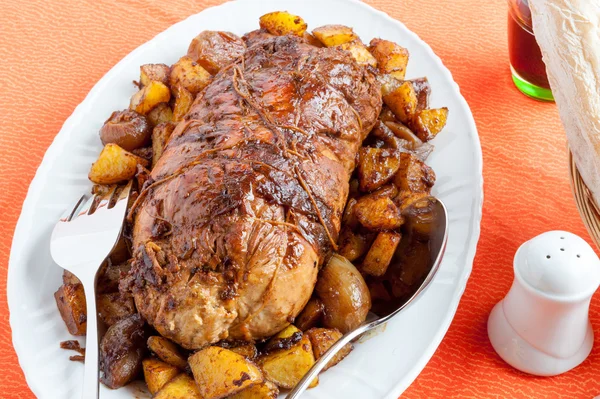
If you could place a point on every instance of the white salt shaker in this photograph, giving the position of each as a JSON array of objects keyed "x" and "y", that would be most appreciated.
[{"x": 542, "y": 326}]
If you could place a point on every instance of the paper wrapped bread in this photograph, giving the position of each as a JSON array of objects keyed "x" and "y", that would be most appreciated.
[{"x": 568, "y": 32}]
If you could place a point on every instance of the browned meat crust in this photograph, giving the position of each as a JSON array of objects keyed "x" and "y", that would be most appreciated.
[{"x": 245, "y": 203}]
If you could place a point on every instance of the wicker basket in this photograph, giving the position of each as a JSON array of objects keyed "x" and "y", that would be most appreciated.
[{"x": 590, "y": 214}]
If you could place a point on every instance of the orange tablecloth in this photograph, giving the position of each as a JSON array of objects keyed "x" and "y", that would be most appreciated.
[{"x": 52, "y": 52}]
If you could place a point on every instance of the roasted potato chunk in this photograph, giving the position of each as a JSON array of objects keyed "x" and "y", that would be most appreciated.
[
  {"x": 334, "y": 35},
  {"x": 322, "y": 339},
  {"x": 313, "y": 41},
  {"x": 188, "y": 74},
  {"x": 249, "y": 351},
  {"x": 161, "y": 114},
  {"x": 154, "y": 72},
  {"x": 422, "y": 90},
  {"x": 149, "y": 97},
  {"x": 378, "y": 213},
  {"x": 287, "y": 366},
  {"x": 213, "y": 50},
  {"x": 344, "y": 294},
  {"x": 266, "y": 390},
  {"x": 359, "y": 52},
  {"x": 220, "y": 372},
  {"x": 121, "y": 351},
  {"x": 281, "y": 23},
  {"x": 392, "y": 58},
  {"x": 167, "y": 351},
  {"x": 310, "y": 315},
  {"x": 114, "y": 165},
  {"x": 381, "y": 253},
  {"x": 70, "y": 300},
  {"x": 127, "y": 129},
  {"x": 402, "y": 101},
  {"x": 376, "y": 167},
  {"x": 160, "y": 137},
  {"x": 429, "y": 122},
  {"x": 389, "y": 191},
  {"x": 414, "y": 175},
  {"x": 114, "y": 306},
  {"x": 183, "y": 103},
  {"x": 352, "y": 245},
  {"x": 157, "y": 373},
  {"x": 180, "y": 387}
]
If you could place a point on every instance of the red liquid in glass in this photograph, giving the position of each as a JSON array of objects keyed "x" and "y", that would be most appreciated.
[{"x": 525, "y": 54}]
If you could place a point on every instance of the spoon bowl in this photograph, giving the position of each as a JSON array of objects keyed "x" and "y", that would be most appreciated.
[{"x": 437, "y": 245}]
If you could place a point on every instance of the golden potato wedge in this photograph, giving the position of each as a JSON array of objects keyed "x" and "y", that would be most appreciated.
[
  {"x": 154, "y": 72},
  {"x": 359, "y": 52},
  {"x": 429, "y": 122},
  {"x": 149, "y": 97},
  {"x": 183, "y": 103},
  {"x": 70, "y": 300},
  {"x": 286, "y": 367},
  {"x": 376, "y": 167},
  {"x": 157, "y": 373},
  {"x": 322, "y": 339},
  {"x": 214, "y": 50},
  {"x": 344, "y": 293},
  {"x": 310, "y": 315},
  {"x": 414, "y": 175},
  {"x": 388, "y": 85},
  {"x": 114, "y": 165},
  {"x": 287, "y": 332},
  {"x": 114, "y": 306},
  {"x": 220, "y": 372},
  {"x": 266, "y": 390},
  {"x": 407, "y": 198},
  {"x": 167, "y": 351},
  {"x": 162, "y": 113},
  {"x": 313, "y": 41},
  {"x": 422, "y": 90},
  {"x": 248, "y": 350},
  {"x": 160, "y": 137},
  {"x": 188, "y": 74},
  {"x": 402, "y": 101},
  {"x": 389, "y": 191},
  {"x": 353, "y": 244},
  {"x": 334, "y": 35},
  {"x": 384, "y": 135},
  {"x": 180, "y": 387},
  {"x": 381, "y": 253},
  {"x": 281, "y": 23},
  {"x": 378, "y": 213},
  {"x": 391, "y": 57}
]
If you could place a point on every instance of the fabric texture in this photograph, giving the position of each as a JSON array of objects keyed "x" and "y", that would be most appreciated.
[{"x": 53, "y": 52}]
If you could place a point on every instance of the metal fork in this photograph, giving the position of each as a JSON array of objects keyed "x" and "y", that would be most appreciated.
[{"x": 82, "y": 239}]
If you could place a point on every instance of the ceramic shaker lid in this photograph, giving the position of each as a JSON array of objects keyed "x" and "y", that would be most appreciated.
[{"x": 558, "y": 263}]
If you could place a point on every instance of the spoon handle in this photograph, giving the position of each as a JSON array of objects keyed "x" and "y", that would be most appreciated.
[{"x": 322, "y": 362}]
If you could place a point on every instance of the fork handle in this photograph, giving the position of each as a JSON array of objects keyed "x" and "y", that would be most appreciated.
[{"x": 90, "y": 375}]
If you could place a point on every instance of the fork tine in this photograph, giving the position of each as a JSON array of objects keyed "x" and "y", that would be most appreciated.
[
  {"x": 105, "y": 199},
  {"x": 68, "y": 213},
  {"x": 85, "y": 207}
]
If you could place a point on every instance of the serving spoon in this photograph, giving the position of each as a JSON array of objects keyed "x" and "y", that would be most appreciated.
[{"x": 437, "y": 246}]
